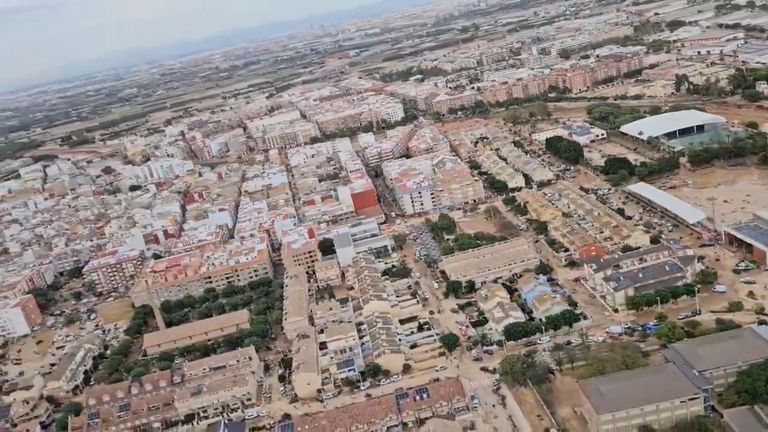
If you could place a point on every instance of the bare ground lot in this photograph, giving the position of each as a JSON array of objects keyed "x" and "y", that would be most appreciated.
[
  {"x": 566, "y": 397},
  {"x": 534, "y": 412},
  {"x": 476, "y": 222},
  {"x": 116, "y": 311},
  {"x": 734, "y": 193}
]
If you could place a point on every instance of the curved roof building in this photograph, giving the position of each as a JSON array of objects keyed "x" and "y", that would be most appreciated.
[{"x": 678, "y": 129}]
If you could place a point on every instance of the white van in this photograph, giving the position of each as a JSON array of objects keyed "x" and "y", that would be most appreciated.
[{"x": 720, "y": 289}]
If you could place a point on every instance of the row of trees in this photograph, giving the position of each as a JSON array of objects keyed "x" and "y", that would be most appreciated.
[
  {"x": 749, "y": 387},
  {"x": 397, "y": 271},
  {"x": 612, "y": 116},
  {"x": 459, "y": 289},
  {"x": 465, "y": 241},
  {"x": 660, "y": 296},
  {"x": 526, "y": 329},
  {"x": 671, "y": 332},
  {"x": 755, "y": 143},
  {"x": 261, "y": 295},
  {"x": 565, "y": 149}
]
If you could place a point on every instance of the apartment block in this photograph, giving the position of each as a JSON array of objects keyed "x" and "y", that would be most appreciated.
[
  {"x": 299, "y": 249},
  {"x": 490, "y": 262},
  {"x": 114, "y": 269},
  {"x": 453, "y": 100},
  {"x": 328, "y": 273},
  {"x": 204, "y": 389},
  {"x": 282, "y": 130},
  {"x": 339, "y": 351},
  {"x": 195, "y": 332},
  {"x": 359, "y": 237},
  {"x": 68, "y": 376},
  {"x": 408, "y": 408},
  {"x": 376, "y": 151},
  {"x": 19, "y": 316},
  {"x": 307, "y": 379},
  {"x": 427, "y": 140},
  {"x": 296, "y": 304},
  {"x": 235, "y": 263},
  {"x": 430, "y": 182}
]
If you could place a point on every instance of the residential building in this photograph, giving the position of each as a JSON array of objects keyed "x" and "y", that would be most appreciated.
[
  {"x": 430, "y": 182},
  {"x": 307, "y": 379},
  {"x": 404, "y": 409},
  {"x": 494, "y": 301},
  {"x": 190, "y": 273},
  {"x": 203, "y": 389},
  {"x": 490, "y": 262},
  {"x": 580, "y": 132},
  {"x": 541, "y": 298},
  {"x": 640, "y": 271},
  {"x": 296, "y": 304},
  {"x": 716, "y": 359},
  {"x": 114, "y": 269},
  {"x": 299, "y": 249},
  {"x": 380, "y": 342},
  {"x": 454, "y": 100},
  {"x": 68, "y": 376},
  {"x": 339, "y": 351},
  {"x": 195, "y": 332},
  {"x": 492, "y": 164},
  {"x": 328, "y": 273},
  {"x": 359, "y": 237},
  {"x": 376, "y": 152},
  {"x": 333, "y": 311},
  {"x": 19, "y": 316},
  {"x": 282, "y": 130},
  {"x": 659, "y": 396},
  {"x": 427, "y": 140}
]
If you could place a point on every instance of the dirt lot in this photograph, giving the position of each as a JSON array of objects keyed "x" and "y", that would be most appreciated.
[
  {"x": 534, "y": 412},
  {"x": 609, "y": 148},
  {"x": 734, "y": 192},
  {"x": 734, "y": 112},
  {"x": 476, "y": 222},
  {"x": 566, "y": 395},
  {"x": 31, "y": 352},
  {"x": 116, "y": 311}
]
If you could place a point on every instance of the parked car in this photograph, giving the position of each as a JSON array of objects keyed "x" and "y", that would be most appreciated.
[
  {"x": 748, "y": 281},
  {"x": 394, "y": 378},
  {"x": 544, "y": 340},
  {"x": 440, "y": 368},
  {"x": 720, "y": 289}
]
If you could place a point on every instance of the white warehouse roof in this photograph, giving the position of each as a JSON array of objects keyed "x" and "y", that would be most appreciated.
[
  {"x": 660, "y": 124},
  {"x": 671, "y": 203}
]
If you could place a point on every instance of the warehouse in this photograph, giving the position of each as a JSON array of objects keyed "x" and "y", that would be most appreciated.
[
  {"x": 668, "y": 205},
  {"x": 678, "y": 130}
]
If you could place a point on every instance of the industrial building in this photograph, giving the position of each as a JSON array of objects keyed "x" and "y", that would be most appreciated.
[
  {"x": 659, "y": 396},
  {"x": 678, "y": 130},
  {"x": 714, "y": 360},
  {"x": 750, "y": 237},
  {"x": 667, "y": 204}
]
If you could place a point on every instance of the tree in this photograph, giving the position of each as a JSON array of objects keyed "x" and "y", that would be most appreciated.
[
  {"x": 454, "y": 288},
  {"x": 326, "y": 247},
  {"x": 72, "y": 409},
  {"x": 399, "y": 239},
  {"x": 752, "y": 125},
  {"x": 470, "y": 286},
  {"x": 697, "y": 424},
  {"x": 692, "y": 324},
  {"x": 670, "y": 332},
  {"x": 373, "y": 370},
  {"x": 751, "y": 95},
  {"x": 748, "y": 388},
  {"x": 407, "y": 368},
  {"x": 517, "y": 369},
  {"x": 521, "y": 330},
  {"x": 619, "y": 356},
  {"x": 72, "y": 318},
  {"x": 735, "y": 306},
  {"x": 76, "y": 295},
  {"x": 450, "y": 341},
  {"x": 568, "y": 150},
  {"x": 614, "y": 165}
]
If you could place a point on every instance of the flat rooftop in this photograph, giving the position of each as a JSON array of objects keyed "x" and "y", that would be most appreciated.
[
  {"x": 746, "y": 419},
  {"x": 719, "y": 350},
  {"x": 755, "y": 230},
  {"x": 637, "y": 388}
]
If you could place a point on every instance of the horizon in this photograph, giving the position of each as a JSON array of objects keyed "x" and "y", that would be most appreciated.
[{"x": 32, "y": 39}]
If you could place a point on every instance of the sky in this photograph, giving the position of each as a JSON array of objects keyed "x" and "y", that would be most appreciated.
[{"x": 41, "y": 40}]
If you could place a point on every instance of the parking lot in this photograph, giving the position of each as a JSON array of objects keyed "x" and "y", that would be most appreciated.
[{"x": 426, "y": 249}]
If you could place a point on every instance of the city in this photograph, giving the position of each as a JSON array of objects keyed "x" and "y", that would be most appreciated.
[{"x": 465, "y": 215}]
